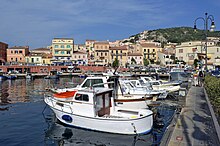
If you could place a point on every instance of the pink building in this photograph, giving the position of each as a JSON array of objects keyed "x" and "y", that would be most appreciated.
[{"x": 17, "y": 54}]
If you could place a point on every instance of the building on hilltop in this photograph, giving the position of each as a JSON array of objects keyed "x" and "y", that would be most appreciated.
[
  {"x": 16, "y": 54},
  {"x": 3, "y": 52}
]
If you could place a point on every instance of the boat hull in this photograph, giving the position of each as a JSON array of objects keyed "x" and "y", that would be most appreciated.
[{"x": 136, "y": 126}]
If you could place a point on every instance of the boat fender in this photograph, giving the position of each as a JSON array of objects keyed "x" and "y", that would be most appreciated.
[{"x": 67, "y": 118}]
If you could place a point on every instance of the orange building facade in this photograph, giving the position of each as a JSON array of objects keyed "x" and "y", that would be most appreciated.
[{"x": 17, "y": 54}]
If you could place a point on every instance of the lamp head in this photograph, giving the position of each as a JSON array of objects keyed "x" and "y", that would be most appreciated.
[
  {"x": 195, "y": 27},
  {"x": 212, "y": 27}
]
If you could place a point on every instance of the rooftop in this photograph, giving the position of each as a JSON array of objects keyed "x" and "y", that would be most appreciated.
[{"x": 119, "y": 48}]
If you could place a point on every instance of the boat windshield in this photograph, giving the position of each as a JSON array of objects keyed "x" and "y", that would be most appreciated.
[{"x": 91, "y": 82}]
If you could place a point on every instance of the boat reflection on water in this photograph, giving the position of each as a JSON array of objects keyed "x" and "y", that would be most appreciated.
[{"x": 63, "y": 135}]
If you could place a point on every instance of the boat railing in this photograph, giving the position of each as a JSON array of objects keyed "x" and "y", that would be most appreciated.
[{"x": 60, "y": 103}]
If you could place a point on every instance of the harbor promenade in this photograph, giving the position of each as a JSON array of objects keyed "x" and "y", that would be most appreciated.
[{"x": 195, "y": 125}]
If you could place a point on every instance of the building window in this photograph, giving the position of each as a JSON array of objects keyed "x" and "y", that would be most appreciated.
[
  {"x": 68, "y": 52},
  {"x": 97, "y": 54},
  {"x": 62, "y": 52},
  {"x": 20, "y": 52},
  {"x": 105, "y": 54},
  {"x": 16, "y": 52},
  {"x": 11, "y": 52},
  {"x": 56, "y": 52},
  {"x": 121, "y": 51},
  {"x": 116, "y": 51},
  {"x": 180, "y": 50},
  {"x": 153, "y": 50},
  {"x": 180, "y": 58},
  {"x": 148, "y": 50},
  {"x": 101, "y": 54},
  {"x": 11, "y": 59},
  {"x": 217, "y": 49},
  {"x": 56, "y": 46},
  {"x": 68, "y": 46}
]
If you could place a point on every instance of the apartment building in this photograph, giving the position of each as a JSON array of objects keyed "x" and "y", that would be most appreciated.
[
  {"x": 17, "y": 54},
  {"x": 3, "y": 52},
  {"x": 150, "y": 51},
  {"x": 120, "y": 53},
  {"x": 80, "y": 58},
  {"x": 34, "y": 58},
  {"x": 138, "y": 57},
  {"x": 62, "y": 50},
  {"x": 189, "y": 51},
  {"x": 101, "y": 53}
]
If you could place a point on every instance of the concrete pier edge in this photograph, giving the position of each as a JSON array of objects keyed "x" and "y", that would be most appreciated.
[{"x": 215, "y": 121}]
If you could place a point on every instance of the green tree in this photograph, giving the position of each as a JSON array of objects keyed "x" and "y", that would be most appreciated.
[
  {"x": 146, "y": 62},
  {"x": 115, "y": 63},
  {"x": 133, "y": 61}
]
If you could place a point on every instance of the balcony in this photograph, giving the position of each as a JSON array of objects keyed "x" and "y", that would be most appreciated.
[
  {"x": 62, "y": 55},
  {"x": 63, "y": 49}
]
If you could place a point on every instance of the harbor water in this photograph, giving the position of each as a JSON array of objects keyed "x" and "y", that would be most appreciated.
[{"x": 26, "y": 120}]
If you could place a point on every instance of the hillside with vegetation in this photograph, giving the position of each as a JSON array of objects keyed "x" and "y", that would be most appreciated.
[{"x": 174, "y": 35}]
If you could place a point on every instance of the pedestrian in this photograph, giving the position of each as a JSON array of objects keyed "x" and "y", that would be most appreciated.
[{"x": 200, "y": 78}]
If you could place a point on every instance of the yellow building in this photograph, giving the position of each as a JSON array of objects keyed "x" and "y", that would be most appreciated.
[
  {"x": 150, "y": 51},
  {"x": 101, "y": 53},
  {"x": 62, "y": 49},
  {"x": 120, "y": 53},
  {"x": 34, "y": 58}
]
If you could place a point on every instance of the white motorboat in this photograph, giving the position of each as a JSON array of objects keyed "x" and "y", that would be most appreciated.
[
  {"x": 131, "y": 97},
  {"x": 173, "y": 86},
  {"x": 95, "y": 109}
]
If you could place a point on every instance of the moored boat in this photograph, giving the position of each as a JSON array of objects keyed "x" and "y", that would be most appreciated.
[{"x": 95, "y": 109}]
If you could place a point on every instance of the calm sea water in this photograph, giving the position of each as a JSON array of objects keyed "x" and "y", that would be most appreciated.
[{"x": 24, "y": 120}]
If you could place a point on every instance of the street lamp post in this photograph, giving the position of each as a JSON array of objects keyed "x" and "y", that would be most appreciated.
[{"x": 212, "y": 27}]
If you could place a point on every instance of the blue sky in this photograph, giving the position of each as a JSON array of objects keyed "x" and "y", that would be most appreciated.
[{"x": 37, "y": 22}]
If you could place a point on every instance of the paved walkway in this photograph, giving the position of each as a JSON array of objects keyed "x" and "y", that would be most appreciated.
[{"x": 195, "y": 126}]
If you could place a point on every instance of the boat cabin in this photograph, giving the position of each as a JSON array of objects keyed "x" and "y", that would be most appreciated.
[{"x": 87, "y": 102}]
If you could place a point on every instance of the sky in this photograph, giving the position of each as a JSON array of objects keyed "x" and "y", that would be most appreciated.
[{"x": 36, "y": 22}]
